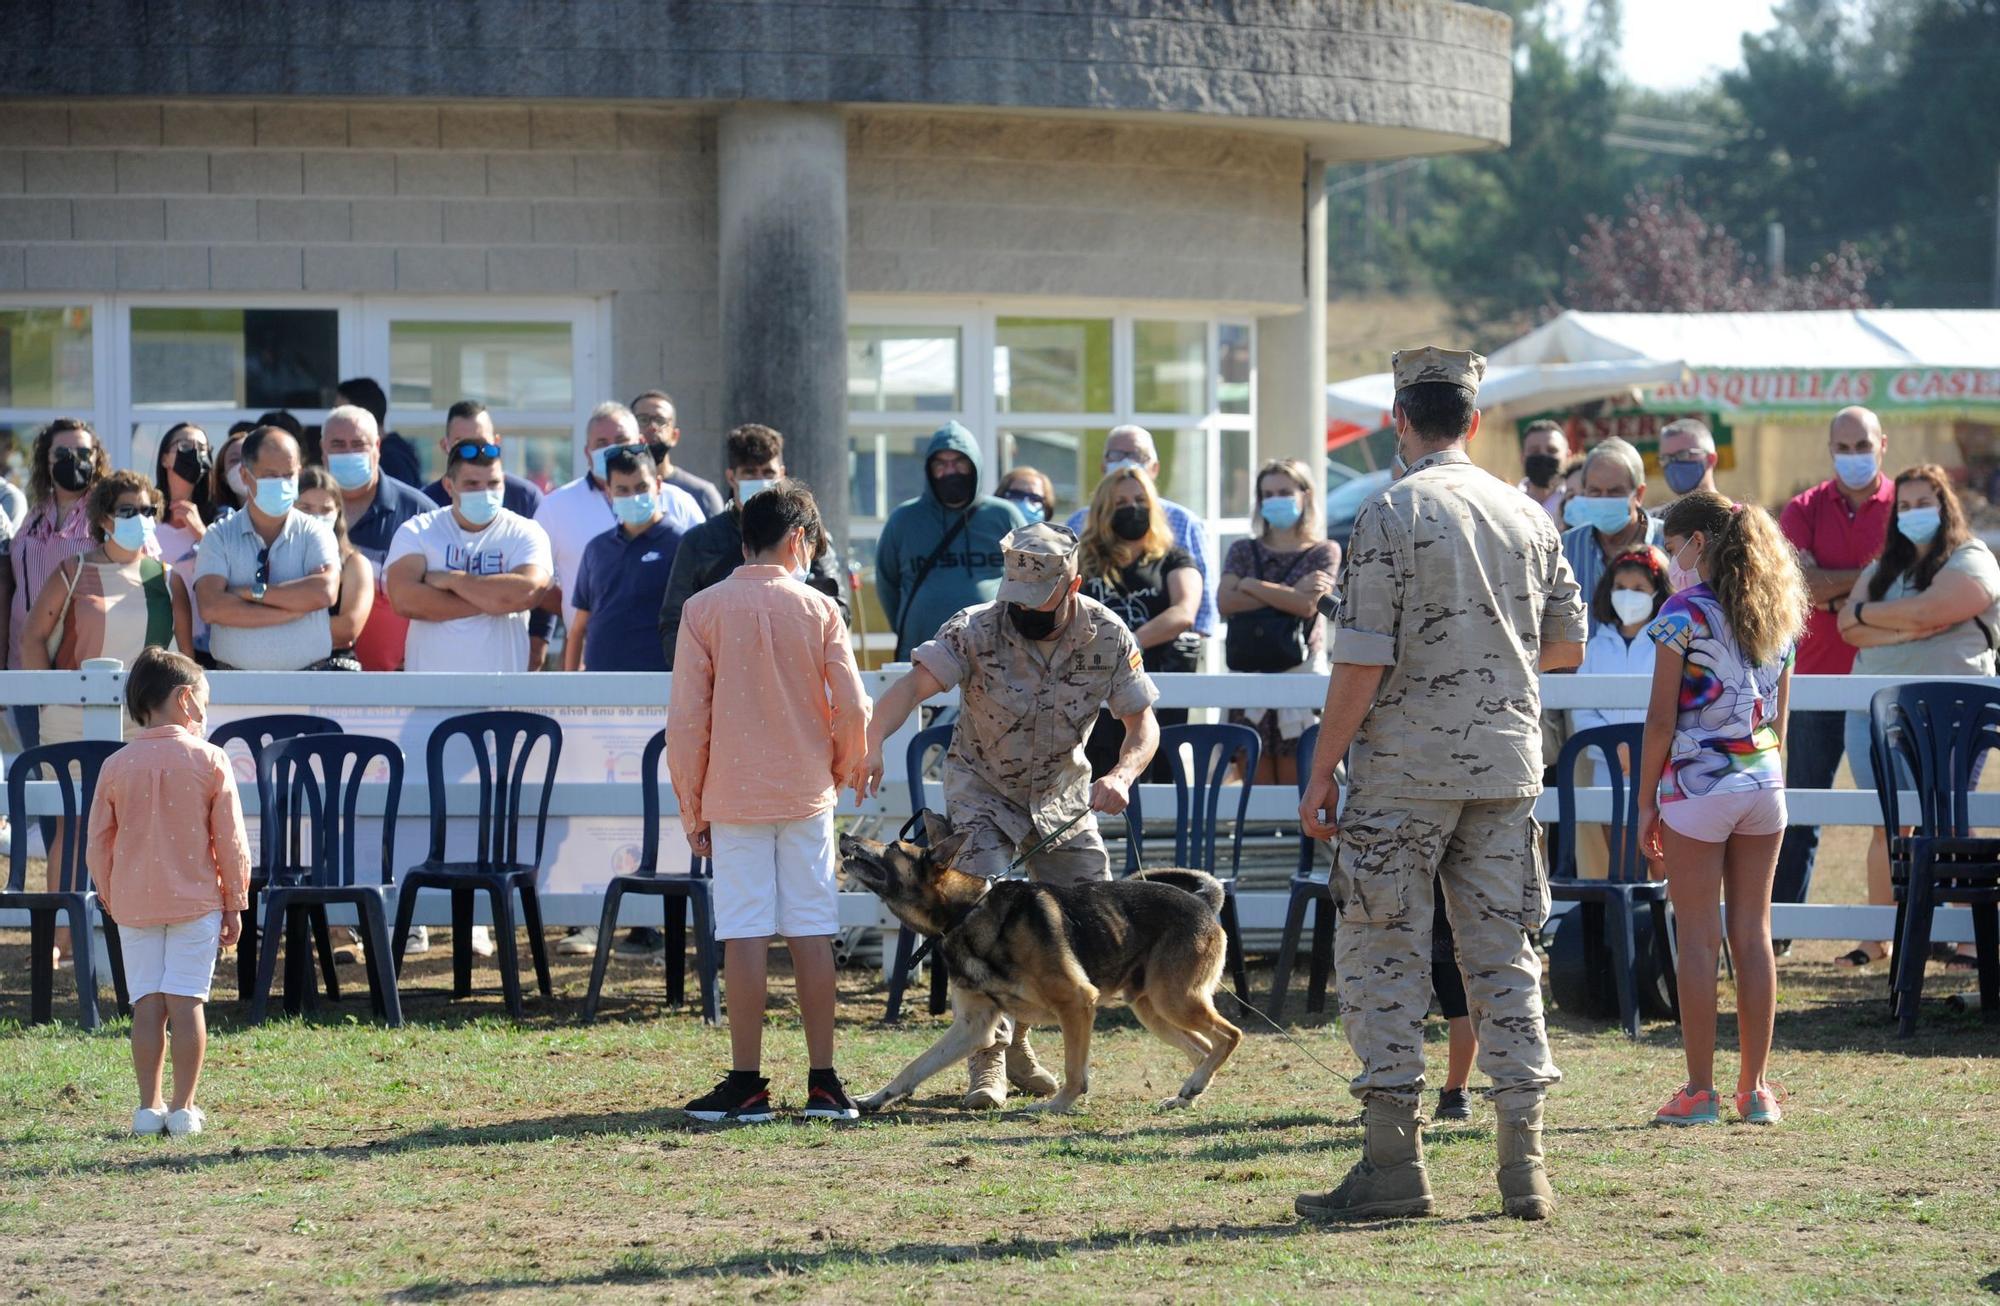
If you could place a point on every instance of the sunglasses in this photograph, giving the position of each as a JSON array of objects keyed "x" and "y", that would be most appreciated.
[
  {"x": 129, "y": 511},
  {"x": 263, "y": 576},
  {"x": 1025, "y": 496},
  {"x": 473, "y": 451}
]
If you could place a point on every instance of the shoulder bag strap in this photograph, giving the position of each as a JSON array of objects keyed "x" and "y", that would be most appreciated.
[{"x": 923, "y": 573}]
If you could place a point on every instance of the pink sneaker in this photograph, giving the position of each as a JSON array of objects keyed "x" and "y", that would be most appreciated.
[
  {"x": 1762, "y": 1105},
  {"x": 1690, "y": 1106}
]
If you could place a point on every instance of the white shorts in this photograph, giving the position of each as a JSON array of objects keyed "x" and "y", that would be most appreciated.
[
  {"x": 1712, "y": 818},
  {"x": 173, "y": 959},
  {"x": 776, "y": 879}
]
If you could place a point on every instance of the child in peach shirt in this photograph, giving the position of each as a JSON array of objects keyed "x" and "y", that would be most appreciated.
[
  {"x": 171, "y": 865},
  {"x": 768, "y": 719}
]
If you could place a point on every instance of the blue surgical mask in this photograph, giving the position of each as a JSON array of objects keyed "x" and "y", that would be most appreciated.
[
  {"x": 746, "y": 490},
  {"x": 1682, "y": 477},
  {"x": 1606, "y": 516},
  {"x": 1122, "y": 464},
  {"x": 600, "y": 457},
  {"x": 1281, "y": 512},
  {"x": 276, "y": 494},
  {"x": 635, "y": 509},
  {"x": 479, "y": 506},
  {"x": 1919, "y": 525},
  {"x": 1031, "y": 507},
  {"x": 132, "y": 533},
  {"x": 351, "y": 471},
  {"x": 1856, "y": 470}
]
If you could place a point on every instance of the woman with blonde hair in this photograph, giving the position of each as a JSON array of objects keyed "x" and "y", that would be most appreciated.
[
  {"x": 1271, "y": 587},
  {"x": 1712, "y": 777},
  {"x": 1129, "y": 562},
  {"x": 1929, "y": 606}
]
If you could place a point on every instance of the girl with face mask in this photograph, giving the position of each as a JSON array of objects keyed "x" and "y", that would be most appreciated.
[
  {"x": 1286, "y": 567},
  {"x": 1929, "y": 606},
  {"x": 65, "y": 463},
  {"x": 114, "y": 601},
  {"x": 1628, "y": 597},
  {"x": 228, "y": 487}
]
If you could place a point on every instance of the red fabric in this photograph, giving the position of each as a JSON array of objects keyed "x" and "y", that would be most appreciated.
[
  {"x": 1822, "y": 522},
  {"x": 380, "y": 646}
]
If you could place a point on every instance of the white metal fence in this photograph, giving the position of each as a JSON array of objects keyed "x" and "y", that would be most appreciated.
[{"x": 99, "y": 690}]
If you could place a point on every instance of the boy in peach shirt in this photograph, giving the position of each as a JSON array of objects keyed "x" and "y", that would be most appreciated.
[
  {"x": 768, "y": 720},
  {"x": 171, "y": 865}
]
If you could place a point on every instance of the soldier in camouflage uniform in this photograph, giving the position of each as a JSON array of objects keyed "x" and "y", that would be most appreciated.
[
  {"x": 1456, "y": 596},
  {"x": 1033, "y": 668}
]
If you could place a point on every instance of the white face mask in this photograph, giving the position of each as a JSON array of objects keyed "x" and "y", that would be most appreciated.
[{"x": 1632, "y": 606}]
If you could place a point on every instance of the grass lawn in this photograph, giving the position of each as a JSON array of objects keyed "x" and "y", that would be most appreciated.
[{"x": 462, "y": 1157}]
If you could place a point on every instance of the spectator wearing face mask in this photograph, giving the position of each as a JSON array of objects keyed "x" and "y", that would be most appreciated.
[
  {"x": 67, "y": 463},
  {"x": 467, "y": 421},
  {"x": 940, "y": 552},
  {"x": 1607, "y": 518},
  {"x": 1031, "y": 491},
  {"x": 397, "y": 456},
  {"x": 267, "y": 577},
  {"x": 660, "y": 428},
  {"x": 1687, "y": 456},
  {"x": 1544, "y": 450},
  {"x": 373, "y": 507},
  {"x": 183, "y": 472},
  {"x": 1133, "y": 446},
  {"x": 755, "y": 461},
  {"x": 623, "y": 576},
  {"x": 226, "y": 486},
  {"x": 1627, "y": 598}
]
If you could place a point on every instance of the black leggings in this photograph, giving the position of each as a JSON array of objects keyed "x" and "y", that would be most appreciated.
[{"x": 1446, "y": 981}]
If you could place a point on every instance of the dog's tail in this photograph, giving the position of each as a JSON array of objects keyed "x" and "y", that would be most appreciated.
[{"x": 1199, "y": 883}]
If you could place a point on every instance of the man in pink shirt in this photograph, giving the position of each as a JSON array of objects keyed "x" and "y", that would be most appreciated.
[
  {"x": 1838, "y": 527},
  {"x": 768, "y": 719}
]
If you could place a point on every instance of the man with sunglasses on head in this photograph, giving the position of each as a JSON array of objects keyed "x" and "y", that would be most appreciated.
[
  {"x": 660, "y": 427},
  {"x": 467, "y": 421},
  {"x": 266, "y": 577}
]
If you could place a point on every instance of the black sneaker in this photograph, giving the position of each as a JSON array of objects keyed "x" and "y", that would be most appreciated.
[
  {"x": 827, "y": 1100},
  {"x": 741, "y": 1098},
  {"x": 1454, "y": 1104}
]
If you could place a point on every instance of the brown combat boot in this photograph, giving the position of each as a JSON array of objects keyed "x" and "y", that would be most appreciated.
[
  {"x": 988, "y": 1090},
  {"x": 1389, "y": 1181},
  {"x": 1024, "y": 1071},
  {"x": 1524, "y": 1181}
]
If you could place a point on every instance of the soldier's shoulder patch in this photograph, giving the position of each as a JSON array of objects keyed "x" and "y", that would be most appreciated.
[{"x": 1135, "y": 660}]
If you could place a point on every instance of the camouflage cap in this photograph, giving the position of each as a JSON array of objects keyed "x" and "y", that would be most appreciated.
[
  {"x": 1040, "y": 559},
  {"x": 1459, "y": 367}
]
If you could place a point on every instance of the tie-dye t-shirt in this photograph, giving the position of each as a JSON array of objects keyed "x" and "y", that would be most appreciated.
[{"x": 1725, "y": 737}]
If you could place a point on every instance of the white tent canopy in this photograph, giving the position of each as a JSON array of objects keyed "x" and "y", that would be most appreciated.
[
  {"x": 1845, "y": 338},
  {"x": 1365, "y": 400}
]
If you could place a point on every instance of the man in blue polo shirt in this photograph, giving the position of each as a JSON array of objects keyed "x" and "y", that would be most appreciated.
[{"x": 624, "y": 573}]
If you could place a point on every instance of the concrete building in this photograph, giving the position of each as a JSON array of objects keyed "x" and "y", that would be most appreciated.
[{"x": 851, "y": 221}]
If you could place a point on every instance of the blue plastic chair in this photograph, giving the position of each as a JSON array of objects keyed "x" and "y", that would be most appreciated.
[
  {"x": 1308, "y": 892},
  {"x": 72, "y": 897},
  {"x": 256, "y": 733},
  {"x": 1197, "y": 802},
  {"x": 681, "y": 892},
  {"x": 937, "y": 739},
  {"x": 1938, "y": 733},
  {"x": 316, "y": 780},
  {"x": 1611, "y": 905},
  {"x": 502, "y": 744}
]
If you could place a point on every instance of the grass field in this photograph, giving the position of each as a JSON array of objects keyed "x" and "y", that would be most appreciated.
[{"x": 464, "y": 1158}]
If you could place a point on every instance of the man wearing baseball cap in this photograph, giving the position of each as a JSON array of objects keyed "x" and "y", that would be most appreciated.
[{"x": 1033, "y": 668}]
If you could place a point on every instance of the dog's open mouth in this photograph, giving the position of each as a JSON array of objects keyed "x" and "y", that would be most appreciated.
[{"x": 862, "y": 868}]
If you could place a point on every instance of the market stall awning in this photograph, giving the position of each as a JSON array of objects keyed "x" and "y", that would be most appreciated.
[{"x": 1357, "y": 406}]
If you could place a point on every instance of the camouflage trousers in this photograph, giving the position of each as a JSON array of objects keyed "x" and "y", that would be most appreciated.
[{"x": 1393, "y": 855}]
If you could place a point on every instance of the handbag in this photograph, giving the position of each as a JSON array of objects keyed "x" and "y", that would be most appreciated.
[{"x": 1266, "y": 640}]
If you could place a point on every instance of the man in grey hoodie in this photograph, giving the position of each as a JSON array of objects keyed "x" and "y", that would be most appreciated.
[{"x": 940, "y": 552}]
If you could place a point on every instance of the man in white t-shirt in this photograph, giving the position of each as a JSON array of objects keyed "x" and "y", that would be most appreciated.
[{"x": 466, "y": 576}]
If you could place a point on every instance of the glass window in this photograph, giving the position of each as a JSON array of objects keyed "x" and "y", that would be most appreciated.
[
  {"x": 884, "y": 469},
  {"x": 1239, "y": 456},
  {"x": 1170, "y": 367},
  {"x": 1052, "y": 365},
  {"x": 523, "y": 365},
  {"x": 1184, "y": 468},
  {"x": 542, "y": 454},
  {"x": 188, "y": 358},
  {"x": 45, "y": 359},
  {"x": 1069, "y": 457},
  {"x": 892, "y": 369},
  {"x": 1232, "y": 384},
  {"x": 17, "y": 441}
]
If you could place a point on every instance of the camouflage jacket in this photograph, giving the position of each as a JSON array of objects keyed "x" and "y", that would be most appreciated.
[
  {"x": 1454, "y": 581},
  {"x": 1017, "y": 750}
]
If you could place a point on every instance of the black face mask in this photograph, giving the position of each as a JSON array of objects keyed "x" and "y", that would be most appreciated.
[
  {"x": 953, "y": 490},
  {"x": 191, "y": 465},
  {"x": 1131, "y": 522},
  {"x": 1033, "y": 622},
  {"x": 1542, "y": 467},
  {"x": 659, "y": 449},
  {"x": 71, "y": 468}
]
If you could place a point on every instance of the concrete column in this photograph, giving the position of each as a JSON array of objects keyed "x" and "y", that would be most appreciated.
[
  {"x": 1291, "y": 349},
  {"x": 782, "y": 218}
]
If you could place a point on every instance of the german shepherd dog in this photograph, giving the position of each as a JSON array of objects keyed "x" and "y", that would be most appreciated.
[{"x": 1040, "y": 953}]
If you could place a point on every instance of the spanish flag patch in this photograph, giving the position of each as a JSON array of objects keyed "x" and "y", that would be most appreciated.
[{"x": 1136, "y": 661}]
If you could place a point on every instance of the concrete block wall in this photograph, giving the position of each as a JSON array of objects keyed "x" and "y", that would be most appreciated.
[{"x": 200, "y": 197}]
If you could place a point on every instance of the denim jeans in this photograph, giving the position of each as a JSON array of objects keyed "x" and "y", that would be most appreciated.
[{"x": 1814, "y": 743}]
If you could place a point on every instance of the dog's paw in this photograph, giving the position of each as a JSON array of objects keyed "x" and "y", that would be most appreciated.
[
  {"x": 875, "y": 1102},
  {"x": 1176, "y": 1103},
  {"x": 1055, "y": 1106}
]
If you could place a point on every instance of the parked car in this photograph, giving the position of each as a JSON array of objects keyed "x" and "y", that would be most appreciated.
[{"x": 1343, "y": 503}]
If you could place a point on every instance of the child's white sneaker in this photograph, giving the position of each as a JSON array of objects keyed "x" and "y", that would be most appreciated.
[
  {"x": 187, "y": 1120},
  {"x": 148, "y": 1120}
]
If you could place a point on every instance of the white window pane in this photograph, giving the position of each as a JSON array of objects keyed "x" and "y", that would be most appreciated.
[
  {"x": 1232, "y": 384},
  {"x": 1052, "y": 365},
  {"x": 884, "y": 469},
  {"x": 542, "y": 454},
  {"x": 1184, "y": 468},
  {"x": 45, "y": 359},
  {"x": 1239, "y": 456},
  {"x": 1170, "y": 367},
  {"x": 525, "y": 365},
  {"x": 892, "y": 369},
  {"x": 194, "y": 358}
]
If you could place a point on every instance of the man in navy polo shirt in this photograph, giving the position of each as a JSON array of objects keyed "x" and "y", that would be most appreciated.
[{"x": 624, "y": 573}]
